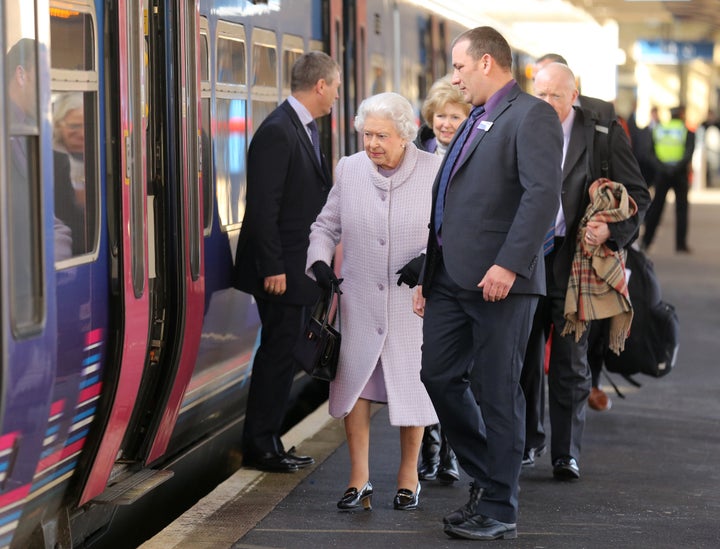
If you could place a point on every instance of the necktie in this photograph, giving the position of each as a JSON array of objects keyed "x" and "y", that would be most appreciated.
[
  {"x": 549, "y": 242},
  {"x": 452, "y": 156},
  {"x": 315, "y": 138}
]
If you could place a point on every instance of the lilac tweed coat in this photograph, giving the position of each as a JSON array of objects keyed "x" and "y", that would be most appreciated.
[{"x": 382, "y": 223}]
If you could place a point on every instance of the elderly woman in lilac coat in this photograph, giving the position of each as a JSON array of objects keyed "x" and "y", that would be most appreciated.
[{"x": 378, "y": 208}]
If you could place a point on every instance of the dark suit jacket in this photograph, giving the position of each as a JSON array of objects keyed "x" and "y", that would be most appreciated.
[
  {"x": 286, "y": 189},
  {"x": 604, "y": 110},
  {"x": 503, "y": 197},
  {"x": 579, "y": 171}
]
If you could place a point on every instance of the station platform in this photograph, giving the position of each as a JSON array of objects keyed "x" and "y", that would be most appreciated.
[{"x": 649, "y": 467}]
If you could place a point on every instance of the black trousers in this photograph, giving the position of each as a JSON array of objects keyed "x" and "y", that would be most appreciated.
[
  {"x": 472, "y": 356},
  {"x": 272, "y": 376},
  {"x": 679, "y": 184}
]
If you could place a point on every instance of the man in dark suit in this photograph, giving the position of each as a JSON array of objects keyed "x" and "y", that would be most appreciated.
[
  {"x": 532, "y": 378},
  {"x": 569, "y": 374},
  {"x": 493, "y": 202},
  {"x": 287, "y": 184}
]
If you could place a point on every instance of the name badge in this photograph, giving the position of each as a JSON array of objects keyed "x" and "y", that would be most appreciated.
[{"x": 485, "y": 125}]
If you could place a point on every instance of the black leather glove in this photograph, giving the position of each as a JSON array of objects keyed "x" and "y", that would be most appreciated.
[
  {"x": 324, "y": 275},
  {"x": 410, "y": 273}
]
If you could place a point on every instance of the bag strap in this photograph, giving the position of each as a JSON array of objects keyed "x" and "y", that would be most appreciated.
[{"x": 324, "y": 306}]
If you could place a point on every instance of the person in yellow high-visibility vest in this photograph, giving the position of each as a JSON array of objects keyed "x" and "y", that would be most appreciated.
[{"x": 673, "y": 146}]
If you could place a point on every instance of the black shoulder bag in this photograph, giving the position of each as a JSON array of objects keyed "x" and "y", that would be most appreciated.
[{"x": 318, "y": 348}]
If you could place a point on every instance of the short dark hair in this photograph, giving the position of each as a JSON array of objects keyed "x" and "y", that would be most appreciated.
[
  {"x": 487, "y": 40},
  {"x": 311, "y": 67},
  {"x": 553, "y": 58},
  {"x": 21, "y": 54}
]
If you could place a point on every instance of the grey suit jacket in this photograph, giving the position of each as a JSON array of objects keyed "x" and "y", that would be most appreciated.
[
  {"x": 581, "y": 169},
  {"x": 502, "y": 199}
]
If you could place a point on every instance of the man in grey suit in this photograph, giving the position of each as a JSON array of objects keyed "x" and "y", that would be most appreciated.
[
  {"x": 493, "y": 203},
  {"x": 287, "y": 184},
  {"x": 569, "y": 373}
]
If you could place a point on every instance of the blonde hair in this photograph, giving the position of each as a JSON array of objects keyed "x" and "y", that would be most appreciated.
[{"x": 440, "y": 94}]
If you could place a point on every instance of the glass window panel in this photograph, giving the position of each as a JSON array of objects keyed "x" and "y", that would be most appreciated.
[
  {"x": 230, "y": 167},
  {"x": 231, "y": 61},
  {"x": 23, "y": 188},
  {"x": 204, "y": 72},
  {"x": 206, "y": 160},
  {"x": 71, "y": 35},
  {"x": 264, "y": 66},
  {"x": 289, "y": 58},
  {"x": 75, "y": 164}
]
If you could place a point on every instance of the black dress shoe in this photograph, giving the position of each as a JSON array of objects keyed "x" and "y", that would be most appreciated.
[
  {"x": 531, "y": 454},
  {"x": 430, "y": 453},
  {"x": 354, "y": 499},
  {"x": 484, "y": 528},
  {"x": 300, "y": 461},
  {"x": 405, "y": 500},
  {"x": 566, "y": 468},
  {"x": 449, "y": 471},
  {"x": 274, "y": 463},
  {"x": 469, "y": 509}
]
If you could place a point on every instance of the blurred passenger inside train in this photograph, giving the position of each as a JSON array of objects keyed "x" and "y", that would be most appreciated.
[
  {"x": 443, "y": 110},
  {"x": 288, "y": 180},
  {"x": 576, "y": 235},
  {"x": 69, "y": 137},
  {"x": 69, "y": 164},
  {"x": 378, "y": 208},
  {"x": 674, "y": 145},
  {"x": 20, "y": 78}
]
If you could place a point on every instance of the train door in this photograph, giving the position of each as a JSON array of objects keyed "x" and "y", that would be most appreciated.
[
  {"x": 175, "y": 229},
  {"x": 28, "y": 316},
  {"x": 124, "y": 208}
]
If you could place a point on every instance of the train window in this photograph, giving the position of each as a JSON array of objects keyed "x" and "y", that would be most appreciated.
[
  {"x": 75, "y": 129},
  {"x": 230, "y": 137},
  {"x": 230, "y": 168},
  {"x": 72, "y": 39},
  {"x": 230, "y": 61},
  {"x": 292, "y": 49},
  {"x": 264, "y": 65},
  {"x": 23, "y": 188},
  {"x": 206, "y": 154},
  {"x": 74, "y": 162}
]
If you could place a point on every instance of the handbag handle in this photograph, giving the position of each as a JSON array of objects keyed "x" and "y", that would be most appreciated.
[{"x": 325, "y": 306}]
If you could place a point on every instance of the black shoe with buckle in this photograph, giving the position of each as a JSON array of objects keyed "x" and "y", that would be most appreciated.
[
  {"x": 469, "y": 509},
  {"x": 354, "y": 499},
  {"x": 406, "y": 500}
]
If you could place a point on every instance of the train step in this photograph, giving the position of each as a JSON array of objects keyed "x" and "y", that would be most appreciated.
[{"x": 129, "y": 490}]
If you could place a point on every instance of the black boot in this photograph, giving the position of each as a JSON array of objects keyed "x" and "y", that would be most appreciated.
[
  {"x": 448, "y": 472},
  {"x": 430, "y": 453}
]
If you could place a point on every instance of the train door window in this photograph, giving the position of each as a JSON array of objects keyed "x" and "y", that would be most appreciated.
[
  {"x": 292, "y": 49},
  {"x": 23, "y": 198},
  {"x": 230, "y": 139},
  {"x": 206, "y": 155},
  {"x": 264, "y": 67},
  {"x": 75, "y": 129}
]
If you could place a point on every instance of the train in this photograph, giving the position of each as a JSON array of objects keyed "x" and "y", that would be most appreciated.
[{"x": 126, "y": 352}]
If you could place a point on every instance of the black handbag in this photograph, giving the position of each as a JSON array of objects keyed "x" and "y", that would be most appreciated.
[{"x": 318, "y": 347}]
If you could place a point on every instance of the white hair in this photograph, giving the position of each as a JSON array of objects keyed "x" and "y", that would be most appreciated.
[{"x": 389, "y": 106}]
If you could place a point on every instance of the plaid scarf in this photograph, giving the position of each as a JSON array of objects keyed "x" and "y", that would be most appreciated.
[{"x": 597, "y": 287}]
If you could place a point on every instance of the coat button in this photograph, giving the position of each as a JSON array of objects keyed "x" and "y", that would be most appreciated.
[
  {"x": 381, "y": 241},
  {"x": 380, "y": 331},
  {"x": 381, "y": 286}
]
